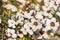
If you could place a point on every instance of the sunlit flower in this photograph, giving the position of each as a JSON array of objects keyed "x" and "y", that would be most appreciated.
[
  {"x": 23, "y": 31},
  {"x": 20, "y": 34},
  {"x": 53, "y": 4},
  {"x": 10, "y": 32},
  {"x": 43, "y": 20},
  {"x": 30, "y": 32},
  {"x": 39, "y": 15},
  {"x": 27, "y": 15},
  {"x": 35, "y": 24},
  {"x": 11, "y": 39},
  {"x": 33, "y": 13},
  {"x": 32, "y": 5},
  {"x": 37, "y": 7},
  {"x": 10, "y": 6},
  {"x": 28, "y": 28},
  {"x": 46, "y": 2},
  {"x": 38, "y": 0},
  {"x": 22, "y": 1},
  {"x": 58, "y": 14},
  {"x": 45, "y": 8},
  {"x": 46, "y": 14},
  {"x": 34, "y": 19},
  {"x": 58, "y": 1},
  {"x": 11, "y": 23},
  {"x": 43, "y": 35},
  {"x": 19, "y": 17},
  {"x": 14, "y": 35},
  {"x": 5, "y": 0},
  {"x": 52, "y": 24}
]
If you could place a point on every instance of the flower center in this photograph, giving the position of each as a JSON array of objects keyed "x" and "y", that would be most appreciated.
[
  {"x": 35, "y": 23},
  {"x": 48, "y": 11},
  {"x": 49, "y": 0},
  {"x": 41, "y": 32},
  {"x": 33, "y": 14},
  {"x": 52, "y": 24},
  {"x": 20, "y": 31},
  {"x": 55, "y": 4}
]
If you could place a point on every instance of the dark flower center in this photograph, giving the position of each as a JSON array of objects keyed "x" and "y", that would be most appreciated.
[
  {"x": 33, "y": 14},
  {"x": 48, "y": 11},
  {"x": 35, "y": 23},
  {"x": 20, "y": 31},
  {"x": 41, "y": 32},
  {"x": 55, "y": 4},
  {"x": 52, "y": 24}
]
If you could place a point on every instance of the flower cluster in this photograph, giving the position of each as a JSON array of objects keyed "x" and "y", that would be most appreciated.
[{"x": 37, "y": 19}]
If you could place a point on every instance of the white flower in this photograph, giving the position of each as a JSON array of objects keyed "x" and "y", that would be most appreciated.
[
  {"x": 30, "y": 32},
  {"x": 52, "y": 24},
  {"x": 32, "y": 5},
  {"x": 11, "y": 39},
  {"x": 40, "y": 37},
  {"x": 0, "y": 20},
  {"x": 19, "y": 16},
  {"x": 32, "y": 12},
  {"x": 14, "y": 35},
  {"x": 23, "y": 31},
  {"x": 46, "y": 2},
  {"x": 21, "y": 1},
  {"x": 58, "y": 1},
  {"x": 27, "y": 15},
  {"x": 43, "y": 20},
  {"x": 26, "y": 25},
  {"x": 46, "y": 14},
  {"x": 10, "y": 6},
  {"x": 53, "y": 4},
  {"x": 38, "y": 0},
  {"x": 20, "y": 35},
  {"x": 10, "y": 32},
  {"x": 37, "y": 7},
  {"x": 11, "y": 23},
  {"x": 35, "y": 24},
  {"x": 14, "y": 9},
  {"x": 26, "y": 21},
  {"x": 27, "y": 28},
  {"x": 45, "y": 35},
  {"x": 46, "y": 8},
  {"x": 5, "y": 0},
  {"x": 58, "y": 14},
  {"x": 39, "y": 15}
]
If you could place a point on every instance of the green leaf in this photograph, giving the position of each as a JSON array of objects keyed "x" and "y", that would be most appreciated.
[
  {"x": 34, "y": 1},
  {"x": 42, "y": 3}
]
